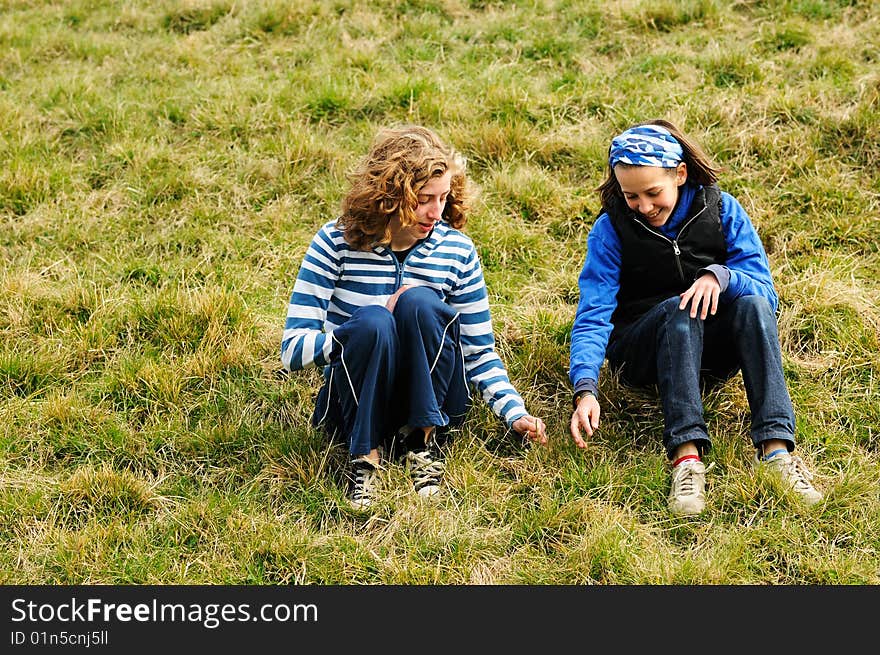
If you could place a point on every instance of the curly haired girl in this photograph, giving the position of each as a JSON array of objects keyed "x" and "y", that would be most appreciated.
[{"x": 390, "y": 300}]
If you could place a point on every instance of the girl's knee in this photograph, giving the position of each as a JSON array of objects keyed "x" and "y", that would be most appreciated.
[
  {"x": 670, "y": 311},
  {"x": 678, "y": 327},
  {"x": 414, "y": 299},
  {"x": 755, "y": 311},
  {"x": 757, "y": 304},
  {"x": 678, "y": 318},
  {"x": 373, "y": 321},
  {"x": 670, "y": 304}
]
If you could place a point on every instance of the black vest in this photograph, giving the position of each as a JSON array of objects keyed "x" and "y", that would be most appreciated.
[{"x": 655, "y": 267}]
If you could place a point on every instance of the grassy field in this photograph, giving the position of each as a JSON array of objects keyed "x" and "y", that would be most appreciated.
[{"x": 164, "y": 165}]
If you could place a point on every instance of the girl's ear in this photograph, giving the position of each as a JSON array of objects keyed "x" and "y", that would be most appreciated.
[{"x": 681, "y": 174}]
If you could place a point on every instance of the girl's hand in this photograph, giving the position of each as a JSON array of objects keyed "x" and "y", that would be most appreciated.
[
  {"x": 531, "y": 427},
  {"x": 392, "y": 301},
  {"x": 586, "y": 416},
  {"x": 705, "y": 290}
]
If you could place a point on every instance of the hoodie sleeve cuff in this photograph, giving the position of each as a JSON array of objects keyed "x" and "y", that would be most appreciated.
[
  {"x": 721, "y": 273},
  {"x": 583, "y": 386}
]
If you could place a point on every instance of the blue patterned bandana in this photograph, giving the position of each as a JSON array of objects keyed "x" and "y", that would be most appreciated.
[{"x": 646, "y": 145}]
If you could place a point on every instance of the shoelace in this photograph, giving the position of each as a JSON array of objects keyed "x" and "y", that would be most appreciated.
[
  {"x": 364, "y": 481},
  {"x": 684, "y": 477},
  {"x": 425, "y": 469},
  {"x": 799, "y": 473}
]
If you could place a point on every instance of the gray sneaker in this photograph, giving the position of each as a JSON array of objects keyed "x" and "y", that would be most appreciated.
[
  {"x": 363, "y": 483},
  {"x": 792, "y": 471},
  {"x": 687, "y": 496}
]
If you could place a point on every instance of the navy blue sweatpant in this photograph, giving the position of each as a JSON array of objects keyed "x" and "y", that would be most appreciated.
[{"x": 388, "y": 370}]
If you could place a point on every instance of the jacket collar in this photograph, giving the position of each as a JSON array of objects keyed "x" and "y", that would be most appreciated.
[
  {"x": 686, "y": 193},
  {"x": 434, "y": 239}
]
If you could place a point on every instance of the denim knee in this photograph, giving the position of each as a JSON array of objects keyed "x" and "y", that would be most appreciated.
[
  {"x": 678, "y": 322},
  {"x": 753, "y": 312}
]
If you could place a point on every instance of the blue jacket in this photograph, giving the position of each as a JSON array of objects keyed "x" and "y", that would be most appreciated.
[
  {"x": 334, "y": 280},
  {"x": 745, "y": 272}
]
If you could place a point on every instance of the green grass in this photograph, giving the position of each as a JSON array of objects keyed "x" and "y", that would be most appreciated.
[{"x": 164, "y": 165}]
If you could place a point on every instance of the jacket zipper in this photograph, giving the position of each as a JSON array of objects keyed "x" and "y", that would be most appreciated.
[
  {"x": 399, "y": 266},
  {"x": 674, "y": 242}
]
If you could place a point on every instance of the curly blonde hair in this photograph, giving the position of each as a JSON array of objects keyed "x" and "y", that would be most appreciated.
[{"x": 387, "y": 181}]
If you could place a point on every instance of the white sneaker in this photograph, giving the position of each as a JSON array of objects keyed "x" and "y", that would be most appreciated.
[
  {"x": 364, "y": 481},
  {"x": 426, "y": 468},
  {"x": 687, "y": 496},
  {"x": 794, "y": 473}
]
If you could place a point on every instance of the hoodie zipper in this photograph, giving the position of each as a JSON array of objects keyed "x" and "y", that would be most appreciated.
[{"x": 400, "y": 265}]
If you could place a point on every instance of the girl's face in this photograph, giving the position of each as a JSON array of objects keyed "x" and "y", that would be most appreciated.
[
  {"x": 650, "y": 190},
  {"x": 432, "y": 201}
]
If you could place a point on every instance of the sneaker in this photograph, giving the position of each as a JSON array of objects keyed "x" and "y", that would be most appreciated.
[
  {"x": 687, "y": 497},
  {"x": 364, "y": 480},
  {"x": 794, "y": 473},
  {"x": 426, "y": 468}
]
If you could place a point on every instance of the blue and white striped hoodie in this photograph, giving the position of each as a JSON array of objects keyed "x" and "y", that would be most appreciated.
[{"x": 335, "y": 279}]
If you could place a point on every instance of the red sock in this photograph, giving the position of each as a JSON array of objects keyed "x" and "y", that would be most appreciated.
[{"x": 685, "y": 458}]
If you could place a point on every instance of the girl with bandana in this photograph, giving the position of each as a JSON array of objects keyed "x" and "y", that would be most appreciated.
[{"x": 675, "y": 290}]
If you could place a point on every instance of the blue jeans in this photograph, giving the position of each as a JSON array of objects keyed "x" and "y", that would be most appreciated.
[
  {"x": 668, "y": 348},
  {"x": 388, "y": 370}
]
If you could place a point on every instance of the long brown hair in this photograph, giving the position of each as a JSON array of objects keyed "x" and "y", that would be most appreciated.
[
  {"x": 700, "y": 167},
  {"x": 386, "y": 183}
]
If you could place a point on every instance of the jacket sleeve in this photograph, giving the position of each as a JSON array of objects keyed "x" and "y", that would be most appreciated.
[
  {"x": 483, "y": 367},
  {"x": 304, "y": 341},
  {"x": 747, "y": 262},
  {"x": 598, "y": 284}
]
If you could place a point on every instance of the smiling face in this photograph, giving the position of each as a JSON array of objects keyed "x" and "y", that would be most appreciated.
[
  {"x": 650, "y": 190},
  {"x": 431, "y": 203}
]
